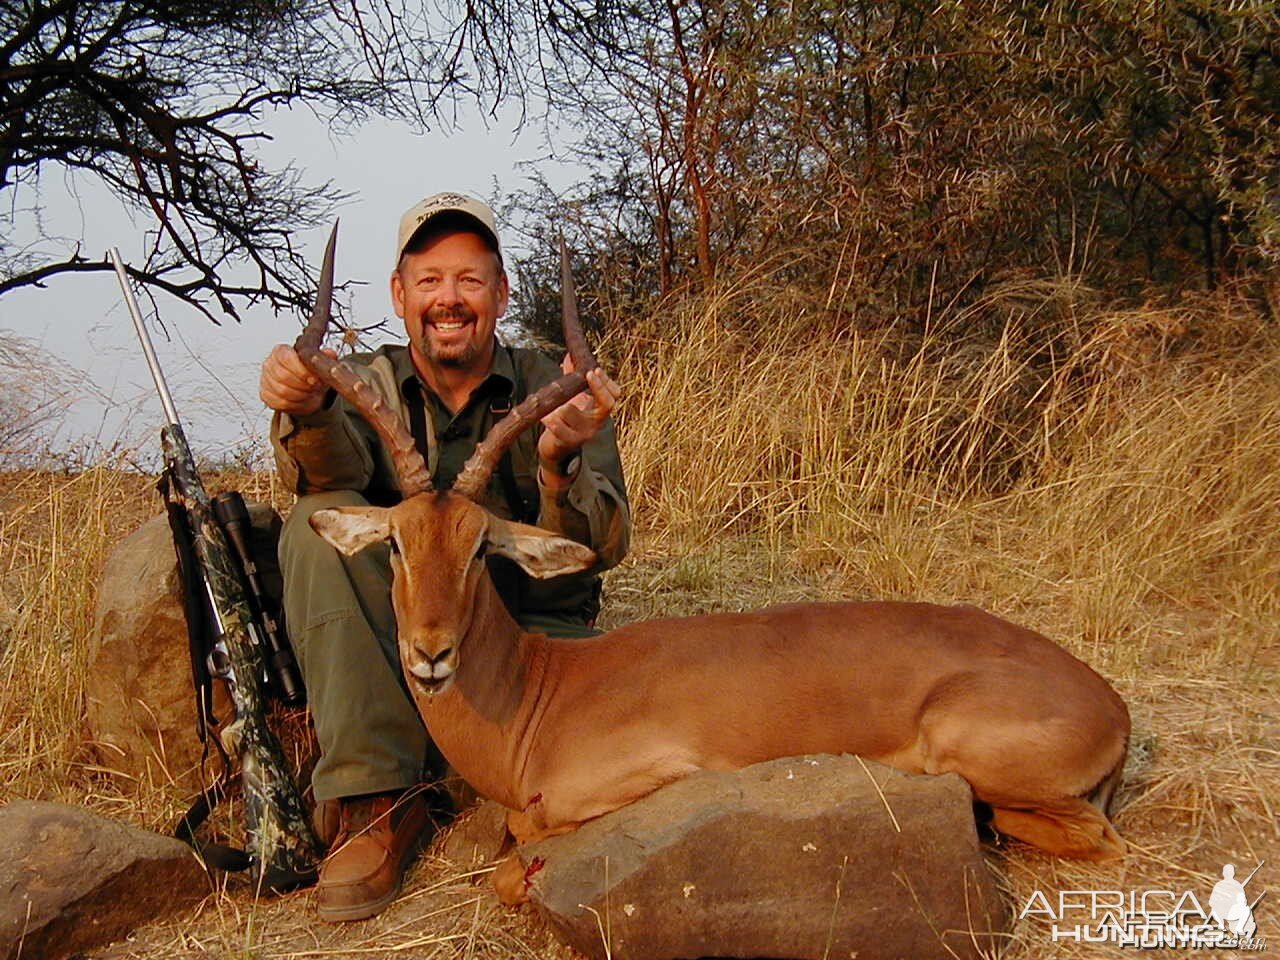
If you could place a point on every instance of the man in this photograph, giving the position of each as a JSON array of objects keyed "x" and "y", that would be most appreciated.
[
  {"x": 450, "y": 383},
  {"x": 1225, "y": 895}
]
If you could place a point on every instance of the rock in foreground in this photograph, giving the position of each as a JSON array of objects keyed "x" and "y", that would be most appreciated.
[
  {"x": 795, "y": 858},
  {"x": 71, "y": 880}
]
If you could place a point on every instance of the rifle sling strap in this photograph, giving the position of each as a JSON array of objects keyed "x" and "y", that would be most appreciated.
[
  {"x": 195, "y": 607},
  {"x": 217, "y": 855}
]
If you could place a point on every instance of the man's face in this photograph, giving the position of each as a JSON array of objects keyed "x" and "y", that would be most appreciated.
[{"x": 450, "y": 295}]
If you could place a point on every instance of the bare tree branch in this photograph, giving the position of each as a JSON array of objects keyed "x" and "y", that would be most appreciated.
[{"x": 163, "y": 101}]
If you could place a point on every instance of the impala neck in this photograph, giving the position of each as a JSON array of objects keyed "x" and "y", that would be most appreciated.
[
  {"x": 492, "y": 668},
  {"x": 479, "y": 722}
]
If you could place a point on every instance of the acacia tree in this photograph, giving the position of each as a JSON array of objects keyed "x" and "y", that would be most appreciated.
[
  {"x": 161, "y": 101},
  {"x": 899, "y": 154},
  {"x": 901, "y": 150}
]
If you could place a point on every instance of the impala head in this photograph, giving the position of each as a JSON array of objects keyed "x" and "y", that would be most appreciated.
[{"x": 439, "y": 539}]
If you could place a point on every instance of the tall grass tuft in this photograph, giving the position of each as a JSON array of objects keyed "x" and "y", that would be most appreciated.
[
  {"x": 1037, "y": 450},
  {"x": 57, "y": 530}
]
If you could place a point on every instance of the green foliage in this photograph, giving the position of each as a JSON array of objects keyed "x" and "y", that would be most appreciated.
[{"x": 898, "y": 156}]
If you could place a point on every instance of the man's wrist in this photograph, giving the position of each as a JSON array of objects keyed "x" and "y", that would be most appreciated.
[
  {"x": 562, "y": 471},
  {"x": 320, "y": 414}
]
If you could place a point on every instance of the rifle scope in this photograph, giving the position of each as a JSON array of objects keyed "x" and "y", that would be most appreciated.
[{"x": 282, "y": 669}]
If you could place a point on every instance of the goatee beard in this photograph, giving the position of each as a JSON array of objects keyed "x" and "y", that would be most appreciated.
[
  {"x": 460, "y": 361},
  {"x": 460, "y": 357}
]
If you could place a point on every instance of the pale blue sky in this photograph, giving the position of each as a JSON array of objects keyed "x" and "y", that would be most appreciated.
[{"x": 212, "y": 371}]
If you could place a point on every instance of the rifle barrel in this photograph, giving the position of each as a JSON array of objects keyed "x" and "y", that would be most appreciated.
[{"x": 166, "y": 398}]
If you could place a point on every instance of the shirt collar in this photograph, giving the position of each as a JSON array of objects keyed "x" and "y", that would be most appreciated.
[{"x": 502, "y": 371}]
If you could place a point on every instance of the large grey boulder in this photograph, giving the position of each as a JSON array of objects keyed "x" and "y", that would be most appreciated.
[
  {"x": 71, "y": 880},
  {"x": 141, "y": 708},
  {"x": 810, "y": 857}
]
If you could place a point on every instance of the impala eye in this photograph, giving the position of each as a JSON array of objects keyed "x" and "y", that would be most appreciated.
[{"x": 395, "y": 547}]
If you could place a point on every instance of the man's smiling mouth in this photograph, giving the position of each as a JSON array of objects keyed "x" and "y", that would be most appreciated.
[{"x": 450, "y": 319}]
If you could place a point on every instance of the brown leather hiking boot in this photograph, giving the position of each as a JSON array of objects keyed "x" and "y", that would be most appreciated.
[{"x": 378, "y": 838}]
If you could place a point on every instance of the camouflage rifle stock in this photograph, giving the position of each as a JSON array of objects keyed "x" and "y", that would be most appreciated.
[{"x": 282, "y": 851}]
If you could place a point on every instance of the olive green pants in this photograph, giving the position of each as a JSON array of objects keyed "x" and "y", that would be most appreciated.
[{"x": 342, "y": 627}]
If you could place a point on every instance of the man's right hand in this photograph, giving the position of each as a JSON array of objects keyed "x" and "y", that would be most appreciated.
[{"x": 288, "y": 386}]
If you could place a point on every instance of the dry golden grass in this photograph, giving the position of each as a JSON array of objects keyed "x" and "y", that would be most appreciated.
[
  {"x": 57, "y": 531},
  {"x": 1110, "y": 478}
]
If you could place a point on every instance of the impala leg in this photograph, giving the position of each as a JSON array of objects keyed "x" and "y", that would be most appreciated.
[
  {"x": 1071, "y": 827},
  {"x": 512, "y": 878},
  {"x": 1102, "y": 794},
  {"x": 510, "y": 882},
  {"x": 522, "y": 826}
]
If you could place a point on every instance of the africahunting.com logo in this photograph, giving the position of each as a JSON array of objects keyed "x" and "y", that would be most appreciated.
[{"x": 1155, "y": 919}]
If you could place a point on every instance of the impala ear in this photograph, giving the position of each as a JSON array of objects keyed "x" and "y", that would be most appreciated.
[
  {"x": 539, "y": 553},
  {"x": 350, "y": 529}
]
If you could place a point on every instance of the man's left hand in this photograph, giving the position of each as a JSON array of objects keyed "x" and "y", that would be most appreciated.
[{"x": 572, "y": 424}]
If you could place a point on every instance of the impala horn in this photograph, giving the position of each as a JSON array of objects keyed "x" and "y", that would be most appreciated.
[
  {"x": 476, "y": 472},
  {"x": 410, "y": 467}
]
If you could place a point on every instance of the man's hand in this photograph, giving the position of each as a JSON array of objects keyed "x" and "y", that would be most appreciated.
[
  {"x": 287, "y": 385},
  {"x": 572, "y": 424}
]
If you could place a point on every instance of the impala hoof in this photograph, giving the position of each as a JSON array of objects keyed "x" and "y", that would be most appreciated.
[{"x": 512, "y": 879}]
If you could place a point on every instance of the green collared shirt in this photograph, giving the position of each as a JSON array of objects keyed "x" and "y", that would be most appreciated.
[
  {"x": 336, "y": 449},
  {"x": 456, "y": 435}
]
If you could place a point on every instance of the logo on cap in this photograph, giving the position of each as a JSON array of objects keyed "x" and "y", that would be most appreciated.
[{"x": 439, "y": 203}]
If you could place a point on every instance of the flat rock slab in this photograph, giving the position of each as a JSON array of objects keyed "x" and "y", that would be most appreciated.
[
  {"x": 804, "y": 857},
  {"x": 71, "y": 880}
]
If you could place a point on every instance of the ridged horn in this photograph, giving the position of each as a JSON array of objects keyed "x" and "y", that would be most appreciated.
[
  {"x": 410, "y": 467},
  {"x": 474, "y": 478}
]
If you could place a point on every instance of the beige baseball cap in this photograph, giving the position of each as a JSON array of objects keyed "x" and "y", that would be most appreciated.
[{"x": 433, "y": 206}]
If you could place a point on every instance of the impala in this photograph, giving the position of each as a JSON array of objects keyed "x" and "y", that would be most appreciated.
[{"x": 562, "y": 731}]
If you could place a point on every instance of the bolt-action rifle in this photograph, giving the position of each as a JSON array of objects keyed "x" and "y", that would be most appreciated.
[{"x": 234, "y": 638}]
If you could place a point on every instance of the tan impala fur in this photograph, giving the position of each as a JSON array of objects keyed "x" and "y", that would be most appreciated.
[{"x": 561, "y": 731}]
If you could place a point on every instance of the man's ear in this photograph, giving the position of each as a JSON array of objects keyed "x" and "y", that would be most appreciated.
[
  {"x": 397, "y": 292},
  {"x": 504, "y": 292},
  {"x": 350, "y": 529},
  {"x": 539, "y": 553}
]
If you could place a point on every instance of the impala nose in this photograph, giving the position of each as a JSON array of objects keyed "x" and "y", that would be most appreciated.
[
  {"x": 442, "y": 662},
  {"x": 433, "y": 669}
]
